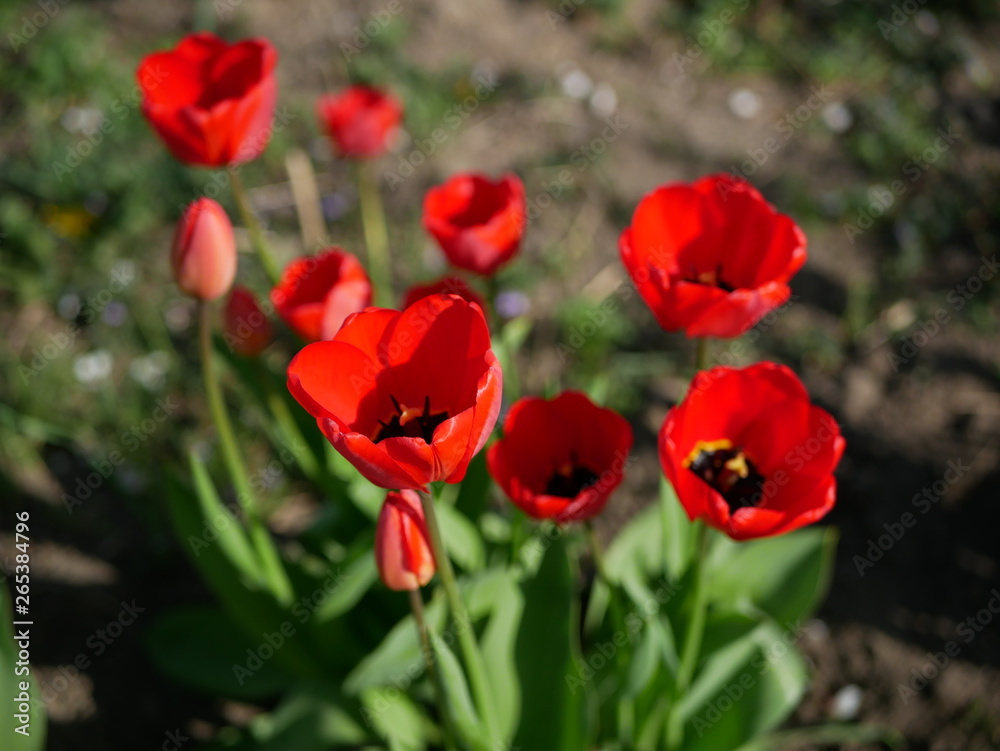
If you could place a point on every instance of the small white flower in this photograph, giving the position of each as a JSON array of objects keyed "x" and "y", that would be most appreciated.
[
  {"x": 575, "y": 83},
  {"x": 837, "y": 117},
  {"x": 93, "y": 368},
  {"x": 744, "y": 103},
  {"x": 150, "y": 370},
  {"x": 604, "y": 100}
]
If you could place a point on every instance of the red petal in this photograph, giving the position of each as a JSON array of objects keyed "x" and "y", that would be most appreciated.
[
  {"x": 736, "y": 312},
  {"x": 440, "y": 347},
  {"x": 669, "y": 221},
  {"x": 369, "y": 459},
  {"x": 333, "y": 380},
  {"x": 723, "y": 401},
  {"x": 748, "y": 523},
  {"x": 489, "y": 397}
]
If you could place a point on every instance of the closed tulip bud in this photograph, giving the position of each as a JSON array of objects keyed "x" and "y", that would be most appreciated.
[
  {"x": 204, "y": 251},
  {"x": 246, "y": 328},
  {"x": 402, "y": 546}
]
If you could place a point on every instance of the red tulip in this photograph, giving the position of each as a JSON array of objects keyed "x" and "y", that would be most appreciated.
[
  {"x": 210, "y": 101},
  {"x": 403, "y": 551},
  {"x": 204, "y": 251},
  {"x": 477, "y": 222},
  {"x": 560, "y": 459},
  {"x": 362, "y": 121},
  {"x": 711, "y": 258},
  {"x": 317, "y": 293},
  {"x": 450, "y": 285},
  {"x": 246, "y": 328},
  {"x": 749, "y": 454},
  {"x": 408, "y": 398}
]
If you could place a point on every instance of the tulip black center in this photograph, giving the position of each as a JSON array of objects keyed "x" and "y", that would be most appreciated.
[
  {"x": 730, "y": 473},
  {"x": 410, "y": 422},
  {"x": 569, "y": 480},
  {"x": 711, "y": 278}
]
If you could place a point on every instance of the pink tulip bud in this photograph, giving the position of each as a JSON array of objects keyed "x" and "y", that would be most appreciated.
[
  {"x": 402, "y": 545},
  {"x": 204, "y": 251}
]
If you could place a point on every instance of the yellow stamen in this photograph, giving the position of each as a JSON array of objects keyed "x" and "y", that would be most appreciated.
[
  {"x": 409, "y": 414},
  {"x": 738, "y": 464},
  {"x": 706, "y": 447},
  {"x": 708, "y": 277}
]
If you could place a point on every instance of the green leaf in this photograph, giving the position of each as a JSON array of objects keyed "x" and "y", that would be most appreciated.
[
  {"x": 311, "y": 718},
  {"x": 458, "y": 701},
  {"x": 398, "y": 654},
  {"x": 552, "y": 715},
  {"x": 635, "y": 557},
  {"x": 480, "y": 591},
  {"x": 474, "y": 492},
  {"x": 515, "y": 332},
  {"x": 396, "y": 718},
  {"x": 367, "y": 497},
  {"x": 355, "y": 580},
  {"x": 637, "y": 548},
  {"x": 597, "y": 607},
  {"x": 725, "y": 628},
  {"x": 824, "y": 735},
  {"x": 203, "y": 648},
  {"x": 286, "y": 421},
  {"x": 786, "y": 576},
  {"x": 499, "y": 642},
  {"x": 506, "y": 345},
  {"x": 496, "y": 528},
  {"x": 221, "y": 527},
  {"x": 12, "y": 689},
  {"x": 678, "y": 531},
  {"x": 647, "y": 659},
  {"x": 650, "y": 728},
  {"x": 461, "y": 537},
  {"x": 198, "y": 519},
  {"x": 744, "y": 689}
]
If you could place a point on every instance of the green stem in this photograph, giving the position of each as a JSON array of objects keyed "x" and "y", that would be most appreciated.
[
  {"x": 492, "y": 292},
  {"x": 269, "y": 558},
  {"x": 253, "y": 226},
  {"x": 597, "y": 551},
  {"x": 693, "y": 635},
  {"x": 701, "y": 354},
  {"x": 600, "y": 563},
  {"x": 376, "y": 234},
  {"x": 417, "y": 606},
  {"x": 474, "y": 664},
  {"x": 289, "y": 428}
]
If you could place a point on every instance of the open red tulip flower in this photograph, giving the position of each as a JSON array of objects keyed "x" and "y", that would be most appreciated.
[
  {"x": 211, "y": 102},
  {"x": 407, "y": 397},
  {"x": 560, "y": 459},
  {"x": 449, "y": 285},
  {"x": 362, "y": 121},
  {"x": 317, "y": 293},
  {"x": 203, "y": 255},
  {"x": 711, "y": 258},
  {"x": 478, "y": 222},
  {"x": 246, "y": 329},
  {"x": 403, "y": 550},
  {"x": 749, "y": 454}
]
